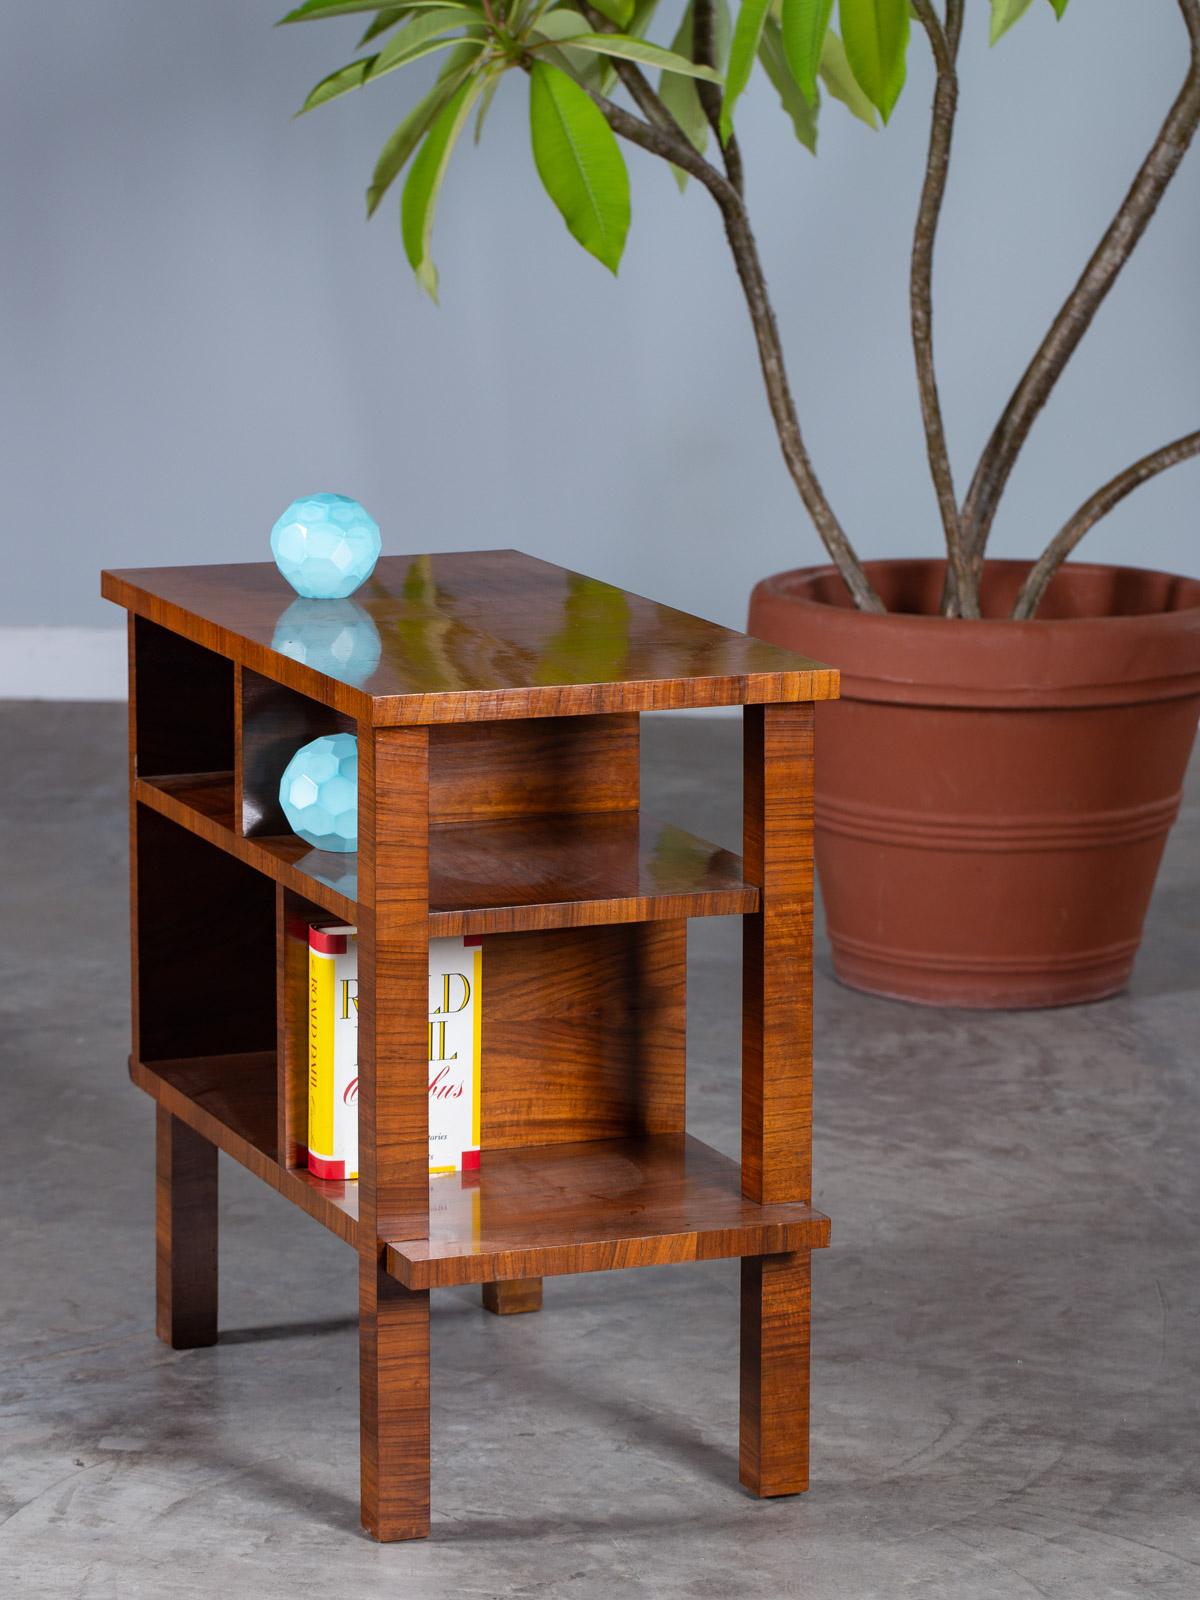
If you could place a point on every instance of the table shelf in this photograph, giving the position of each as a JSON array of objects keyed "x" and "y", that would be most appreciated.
[
  {"x": 505, "y": 876},
  {"x": 593, "y": 1207},
  {"x": 540, "y": 1211}
]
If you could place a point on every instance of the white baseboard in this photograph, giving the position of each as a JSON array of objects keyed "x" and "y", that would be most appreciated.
[{"x": 62, "y": 664}]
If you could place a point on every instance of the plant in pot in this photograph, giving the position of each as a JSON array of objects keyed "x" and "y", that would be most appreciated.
[{"x": 996, "y": 787}]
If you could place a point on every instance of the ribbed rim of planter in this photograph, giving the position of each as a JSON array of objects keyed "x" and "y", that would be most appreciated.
[{"x": 1106, "y": 635}]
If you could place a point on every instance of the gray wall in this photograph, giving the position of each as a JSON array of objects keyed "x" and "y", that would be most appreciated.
[{"x": 196, "y": 324}]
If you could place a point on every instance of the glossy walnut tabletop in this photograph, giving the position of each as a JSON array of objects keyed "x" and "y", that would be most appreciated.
[{"x": 470, "y": 636}]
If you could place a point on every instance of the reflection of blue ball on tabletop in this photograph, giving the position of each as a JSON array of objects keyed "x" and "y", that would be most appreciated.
[
  {"x": 319, "y": 792},
  {"x": 335, "y": 637},
  {"x": 325, "y": 545}
]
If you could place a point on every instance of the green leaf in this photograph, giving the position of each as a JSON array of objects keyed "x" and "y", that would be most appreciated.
[
  {"x": 747, "y": 31},
  {"x": 386, "y": 19},
  {"x": 564, "y": 23},
  {"x": 579, "y": 162},
  {"x": 339, "y": 82},
  {"x": 423, "y": 34},
  {"x": 1004, "y": 14},
  {"x": 649, "y": 55},
  {"x": 421, "y": 187},
  {"x": 772, "y": 54},
  {"x": 318, "y": 10},
  {"x": 682, "y": 98},
  {"x": 412, "y": 130},
  {"x": 804, "y": 24},
  {"x": 491, "y": 83},
  {"x": 1059, "y": 7},
  {"x": 618, "y": 11},
  {"x": 839, "y": 80},
  {"x": 875, "y": 34}
]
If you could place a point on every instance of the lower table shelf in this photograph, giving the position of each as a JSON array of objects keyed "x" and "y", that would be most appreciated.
[
  {"x": 591, "y": 1207},
  {"x": 526, "y": 1213}
]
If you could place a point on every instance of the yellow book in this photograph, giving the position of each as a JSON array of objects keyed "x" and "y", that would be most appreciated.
[{"x": 455, "y": 1020}]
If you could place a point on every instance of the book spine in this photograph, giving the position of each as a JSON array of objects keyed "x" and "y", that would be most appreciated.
[{"x": 333, "y": 1052}]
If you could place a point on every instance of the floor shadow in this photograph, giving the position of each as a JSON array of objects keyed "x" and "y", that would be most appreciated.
[{"x": 287, "y": 1330}]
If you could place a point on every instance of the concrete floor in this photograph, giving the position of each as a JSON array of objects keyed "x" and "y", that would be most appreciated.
[{"x": 1006, "y": 1333}]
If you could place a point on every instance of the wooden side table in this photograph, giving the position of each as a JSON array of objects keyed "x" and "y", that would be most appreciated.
[{"x": 496, "y": 700}]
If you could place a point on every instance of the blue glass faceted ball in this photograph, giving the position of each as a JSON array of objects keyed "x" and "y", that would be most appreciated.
[
  {"x": 325, "y": 545},
  {"x": 319, "y": 792},
  {"x": 335, "y": 637}
]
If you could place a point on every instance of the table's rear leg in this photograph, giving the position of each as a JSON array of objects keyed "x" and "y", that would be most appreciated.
[{"x": 513, "y": 1295}]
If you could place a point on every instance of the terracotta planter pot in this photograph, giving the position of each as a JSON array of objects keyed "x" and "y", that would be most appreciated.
[{"x": 993, "y": 797}]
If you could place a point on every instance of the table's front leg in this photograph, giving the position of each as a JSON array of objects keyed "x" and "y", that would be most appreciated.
[
  {"x": 185, "y": 1235},
  {"x": 393, "y": 1113},
  {"x": 777, "y": 1089}
]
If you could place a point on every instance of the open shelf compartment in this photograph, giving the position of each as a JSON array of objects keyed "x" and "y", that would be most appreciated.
[{"x": 497, "y": 876}]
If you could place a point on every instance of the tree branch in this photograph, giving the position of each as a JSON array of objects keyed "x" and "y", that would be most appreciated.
[
  {"x": 704, "y": 53},
  {"x": 679, "y": 150},
  {"x": 1091, "y": 511},
  {"x": 633, "y": 78},
  {"x": 1081, "y": 305},
  {"x": 960, "y": 593}
]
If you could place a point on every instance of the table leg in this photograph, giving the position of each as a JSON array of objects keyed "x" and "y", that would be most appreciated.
[
  {"x": 185, "y": 1235},
  {"x": 513, "y": 1295}
]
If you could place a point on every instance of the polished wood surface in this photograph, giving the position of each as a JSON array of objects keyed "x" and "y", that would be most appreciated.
[
  {"x": 777, "y": 1087},
  {"x": 487, "y": 771},
  {"x": 495, "y": 877},
  {"x": 185, "y": 1235},
  {"x": 476, "y": 636},
  {"x": 592, "y": 1207},
  {"x": 773, "y": 1454},
  {"x": 230, "y": 1101},
  {"x": 777, "y": 954},
  {"x": 393, "y": 1125},
  {"x": 583, "y": 1038},
  {"x": 513, "y": 1297}
]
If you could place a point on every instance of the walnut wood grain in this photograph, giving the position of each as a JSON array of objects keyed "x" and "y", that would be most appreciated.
[
  {"x": 773, "y": 1457},
  {"x": 592, "y": 1207},
  {"x": 512, "y": 1298},
  {"x": 487, "y": 771},
  {"x": 777, "y": 1088},
  {"x": 496, "y": 877},
  {"x": 230, "y": 1102},
  {"x": 185, "y": 1235},
  {"x": 777, "y": 954},
  {"x": 393, "y": 1125},
  {"x": 480, "y": 636},
  {"x": 583, "y": 1037}
]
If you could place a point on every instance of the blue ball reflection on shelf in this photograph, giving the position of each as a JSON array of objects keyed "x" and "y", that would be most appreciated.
[{"x": 336, "y": 637}]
